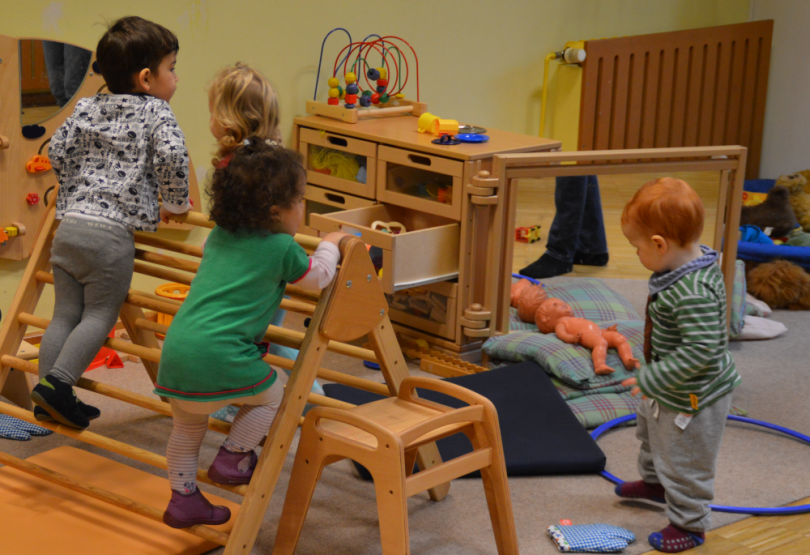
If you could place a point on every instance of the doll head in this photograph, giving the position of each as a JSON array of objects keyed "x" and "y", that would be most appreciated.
[
  {"x": 530, "y": 298},
  {"x": 549, "y": 313},
  {"x": 243, "y": 105}
]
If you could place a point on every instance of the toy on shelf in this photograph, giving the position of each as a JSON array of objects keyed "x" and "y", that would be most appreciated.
[
  {"x": 390, "y": 78},
  {"x": 394, "y": 228},
  {"x": 554, "y": 315},
  {"x": 527, "y": 234}
]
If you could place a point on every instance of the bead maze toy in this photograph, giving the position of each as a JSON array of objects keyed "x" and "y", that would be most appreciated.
[
  {"x": 384, "y": 98},
  {"x": 352, "y": 306}
]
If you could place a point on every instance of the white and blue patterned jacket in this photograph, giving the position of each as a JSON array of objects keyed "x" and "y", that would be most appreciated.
[{"x": 113, "y": 157}]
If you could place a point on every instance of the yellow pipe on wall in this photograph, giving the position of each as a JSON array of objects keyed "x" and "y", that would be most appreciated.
[{"x": 550, "y": 57}]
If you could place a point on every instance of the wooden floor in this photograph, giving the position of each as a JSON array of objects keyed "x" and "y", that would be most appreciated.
[
  {"x": 760, "y": 535},
  {"x": 536, "y": 206}
]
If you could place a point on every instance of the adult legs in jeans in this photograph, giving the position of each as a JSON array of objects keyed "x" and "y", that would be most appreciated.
[
  {"x": 577, "y": 234},
  {"x": 67, "y": 66}
]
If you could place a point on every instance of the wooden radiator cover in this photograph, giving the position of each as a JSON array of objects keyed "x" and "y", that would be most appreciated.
[{"x": 701, "y": 87}]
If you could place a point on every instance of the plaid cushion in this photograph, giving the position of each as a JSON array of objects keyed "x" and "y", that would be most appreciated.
[
  {"x": 569, "y": 392},
  {"x": 589, "y": 298},
  {"x": 738, "y": 303},
  {"x": 571, "y": 364},
  {"x": 595, "y": 410},
  {"x": 591, "y": 538}
]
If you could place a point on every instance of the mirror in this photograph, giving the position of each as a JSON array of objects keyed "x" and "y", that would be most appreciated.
[{"x": 50, "y": 75}]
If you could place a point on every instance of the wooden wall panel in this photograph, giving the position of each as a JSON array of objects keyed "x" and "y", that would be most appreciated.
[{"x": 700, "y": 87}]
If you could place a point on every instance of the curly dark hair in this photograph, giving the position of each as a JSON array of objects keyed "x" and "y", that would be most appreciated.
[{"x": 257, "y": 178}]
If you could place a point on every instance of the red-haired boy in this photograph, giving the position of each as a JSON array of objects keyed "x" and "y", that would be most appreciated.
[{"x": 690, "y": 374}]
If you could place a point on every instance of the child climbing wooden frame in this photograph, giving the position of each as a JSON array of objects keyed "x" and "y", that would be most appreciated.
[{"x": 351, "y": 307}]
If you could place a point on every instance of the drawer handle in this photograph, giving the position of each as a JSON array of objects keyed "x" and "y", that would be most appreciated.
[
  {"x": 423, "y": 160},
  {"x": 338, "y": 141},
  {"x": 335, "y": 198}
]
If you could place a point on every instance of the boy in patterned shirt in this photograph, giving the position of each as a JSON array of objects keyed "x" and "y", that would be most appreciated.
[
  {"x": 112, "y": 157},
  {"x": 689, "y": 376}
]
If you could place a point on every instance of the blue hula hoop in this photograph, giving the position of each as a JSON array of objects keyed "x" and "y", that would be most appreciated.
[
  {"x": 758, "y": 511},
  {"x": 531, "y": 280}
]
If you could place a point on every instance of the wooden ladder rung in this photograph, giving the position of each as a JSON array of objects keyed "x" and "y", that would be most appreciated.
[
  {"x": 119, "y": 501},
  {"x": 168, "y": 261},
  {"x": 174, "y": 276},
  {"x": 115, "y": 393},
  {"x": 167, "y": 244},
  {"x": 112, "y": 445},
  {"x": 146, "y": 353}
]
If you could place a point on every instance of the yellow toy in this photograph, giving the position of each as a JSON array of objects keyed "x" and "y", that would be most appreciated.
[{"x": 425, "y": 123}]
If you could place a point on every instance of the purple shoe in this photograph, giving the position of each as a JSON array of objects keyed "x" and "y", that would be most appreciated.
[
  {"x": 187, "y": 510},
  {"x": 226, "y": 467}
]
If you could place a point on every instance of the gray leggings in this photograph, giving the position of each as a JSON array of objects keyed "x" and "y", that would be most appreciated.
[{"x": 92, "y": 272}]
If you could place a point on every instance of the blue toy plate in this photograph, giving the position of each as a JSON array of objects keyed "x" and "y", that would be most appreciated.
[{"x": 472, "y": 138}]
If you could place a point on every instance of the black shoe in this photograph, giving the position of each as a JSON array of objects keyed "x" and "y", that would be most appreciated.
[
  {"x": 60, "y": 401},
  {"x": 546, "y": 267},
  {"x": 591, "y": 259},
  {"x": 89, "y": 411}
]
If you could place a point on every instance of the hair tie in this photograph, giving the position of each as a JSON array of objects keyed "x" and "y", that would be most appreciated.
[{"x": 270, "y": 142}]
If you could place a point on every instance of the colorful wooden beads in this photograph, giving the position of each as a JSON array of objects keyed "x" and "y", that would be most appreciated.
[{"x": 335, "y": 91}]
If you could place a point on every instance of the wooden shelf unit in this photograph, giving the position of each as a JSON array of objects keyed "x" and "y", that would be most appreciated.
[{"x": 394, "y": 154}]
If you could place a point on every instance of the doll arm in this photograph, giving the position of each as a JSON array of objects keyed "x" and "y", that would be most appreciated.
[{"x": 562, "y": 333}]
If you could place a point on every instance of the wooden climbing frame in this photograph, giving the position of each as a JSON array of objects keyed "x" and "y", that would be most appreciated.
[{"x": 351, "y": 307}]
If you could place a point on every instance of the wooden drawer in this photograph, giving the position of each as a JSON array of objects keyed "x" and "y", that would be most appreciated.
[
  {"x": 427, "y": 253},
  {"x": 420, "y": 181},
  {"x": 324, "y": 201},
  {"x": 430, "y": 308},
  {"x": 322, "y": 150}
]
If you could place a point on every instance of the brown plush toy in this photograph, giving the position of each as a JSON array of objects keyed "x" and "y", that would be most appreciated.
[
  {"x": 776, "y": 212},
  {"x": 553, "y": 315},
  {"x": 781, "y": 284},
  {"x": 799, "y": 199}
]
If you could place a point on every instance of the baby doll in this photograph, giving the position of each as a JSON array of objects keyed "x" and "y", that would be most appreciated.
[{"x": 554, "y": 315}]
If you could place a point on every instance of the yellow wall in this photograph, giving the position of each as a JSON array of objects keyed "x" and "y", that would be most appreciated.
[{"x": 481, "y": 61}]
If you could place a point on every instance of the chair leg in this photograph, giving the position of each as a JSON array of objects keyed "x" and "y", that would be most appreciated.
[
  {"x": 496, "y": 488},
  {"x": 309, "y": 462},
  {"x": 392, "y": 505}
]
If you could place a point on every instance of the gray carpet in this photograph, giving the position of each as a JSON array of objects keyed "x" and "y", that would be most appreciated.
[{"x": 756, "y": 467}]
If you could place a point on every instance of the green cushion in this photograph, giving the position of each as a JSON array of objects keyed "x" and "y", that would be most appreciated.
[{"x": 571, "y": 364}]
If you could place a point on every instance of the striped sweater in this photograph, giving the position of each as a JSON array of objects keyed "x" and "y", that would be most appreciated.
[{"x": 691, "y": 366}]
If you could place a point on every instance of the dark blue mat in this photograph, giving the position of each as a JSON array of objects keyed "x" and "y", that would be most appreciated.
[{"x": 540, "y": 433}]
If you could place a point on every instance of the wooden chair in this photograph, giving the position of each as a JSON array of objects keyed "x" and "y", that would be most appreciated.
[{"x": 383, "y": 436}]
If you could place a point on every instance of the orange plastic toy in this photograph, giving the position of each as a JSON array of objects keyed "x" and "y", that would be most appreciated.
[
  {"x": 38, "y": 164},
  {"x": 554, "y": 315}
]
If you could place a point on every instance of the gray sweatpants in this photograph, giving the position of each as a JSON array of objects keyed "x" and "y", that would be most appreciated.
[
  {"x": 683, "y": 461},
  {"x": 92, "y": 272}
]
